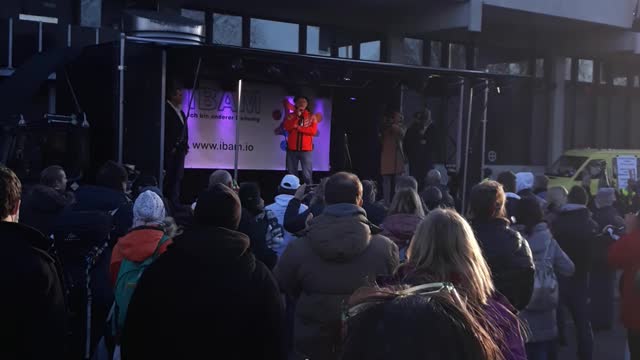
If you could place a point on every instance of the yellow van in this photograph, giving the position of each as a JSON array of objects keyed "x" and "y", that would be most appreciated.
[{"x": 571, "y": 167}]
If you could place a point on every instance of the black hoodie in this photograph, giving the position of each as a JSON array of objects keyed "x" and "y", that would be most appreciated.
[
  {"x": 205, "y": 297},
  {"x": 32, "y": 301}
]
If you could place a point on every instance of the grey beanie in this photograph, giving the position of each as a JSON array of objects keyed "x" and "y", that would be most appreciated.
[{"x": 148, "y": 209}]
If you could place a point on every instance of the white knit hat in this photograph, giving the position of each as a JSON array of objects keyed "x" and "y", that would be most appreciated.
[{"x": 148, "y": 209}]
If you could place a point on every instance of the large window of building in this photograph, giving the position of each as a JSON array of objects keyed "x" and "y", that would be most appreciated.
[
  {"x": 518, "y": 68},
  {"x": 274, "y": 35},
  {"x": 567, "y": 68},
  {"x": 196, "y": 15},
  {"x": 316, "y": 44},
  {"x": 370, "y": 50},
  {"x": 620, "y": 81},
  {"x": 227, "y": 29},
  {"x": 585, "y": 70},
  {"x": 413, "y": 51},
  {"x": 345, "y": 52},
  {"x": 91, "y": 13},
  {"x": 436, "y": 54},
  {"x": 457, "y": 56}
]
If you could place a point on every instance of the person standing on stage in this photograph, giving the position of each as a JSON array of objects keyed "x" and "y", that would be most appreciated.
[
  {"x": 301, "y": 126},
  {"x": 419, "y": 146},
  {"x": 176, "y": 143},
  {"x": 392, "y": 156}
]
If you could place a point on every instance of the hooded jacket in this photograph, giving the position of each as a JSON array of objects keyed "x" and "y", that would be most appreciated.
[
  {"x": 575, "y": 231},
  {"x": 338, "y": 255},
  {"x": 206, "y": 296},
  {"x": 400, "y": 228},
  {"x": 42, "y": 205},
  {"x": 137, "y": 246},
  {"x": 509, "y": 258},
  {"x": 542, "y": 324},
  {"x": 32, "y": 301},
  {"x": 524, "y": 181}
]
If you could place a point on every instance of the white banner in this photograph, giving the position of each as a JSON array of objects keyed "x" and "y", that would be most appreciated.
[
  {"x": 212, "y": 127},
  {"x": 627, "y": 169}
]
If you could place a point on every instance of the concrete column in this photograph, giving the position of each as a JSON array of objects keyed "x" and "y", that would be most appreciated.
[
  {"x": 556, "y": 108},
  {"x": 394, "y": 49}
]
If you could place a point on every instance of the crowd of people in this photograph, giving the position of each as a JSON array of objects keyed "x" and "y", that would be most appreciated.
[{"x": 328, "y": 271}]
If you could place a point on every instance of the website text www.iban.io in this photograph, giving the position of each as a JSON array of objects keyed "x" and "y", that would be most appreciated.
[{"x": 221, "y": 146}]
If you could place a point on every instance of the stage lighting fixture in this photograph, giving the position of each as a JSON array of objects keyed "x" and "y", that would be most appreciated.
[
  {"x": 237, "y": 64},
  {"x": 315, "y": 75},
  {"x": 274, "y": 71},
  {"x": 353, "y": 98},
  {"x": 348, "y": 75},
  {"x": 499, "y": 90}
]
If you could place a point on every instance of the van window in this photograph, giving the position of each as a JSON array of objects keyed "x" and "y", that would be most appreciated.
[
  {"x": 567, "y": 166},
  {"x": 594, "y": 168}
]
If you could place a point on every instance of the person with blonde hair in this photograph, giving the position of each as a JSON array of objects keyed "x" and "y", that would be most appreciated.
[
  {"x": 379, "y": 321},
  {"x": 404, "y": 216},
  {"x": 444, "y": 249}
]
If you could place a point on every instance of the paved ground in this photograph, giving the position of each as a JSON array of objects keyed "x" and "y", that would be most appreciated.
[{"x": 608, "y": 345}]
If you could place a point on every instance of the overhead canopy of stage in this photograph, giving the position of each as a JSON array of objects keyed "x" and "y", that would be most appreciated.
[{"x": 122, "y": 87}]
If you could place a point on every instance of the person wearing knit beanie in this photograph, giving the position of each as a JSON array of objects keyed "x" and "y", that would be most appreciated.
[
  {"x": 218, "y": 206},
  {"x": 148, "y": 209}
]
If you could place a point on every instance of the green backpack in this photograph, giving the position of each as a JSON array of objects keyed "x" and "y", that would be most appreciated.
[{"x": 128, "y": 277}]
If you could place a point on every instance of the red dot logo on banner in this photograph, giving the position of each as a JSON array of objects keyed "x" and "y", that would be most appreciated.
[{"x": 277, "y": 115}]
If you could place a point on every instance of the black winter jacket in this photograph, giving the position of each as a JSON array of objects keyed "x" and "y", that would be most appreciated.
[
  {"x": 206, "y": 296},
  {"x": 575, "y": 231},
  {"x": 509, "y": 258},
  {"x": 294, "y": 221},
  {"x": 32, "y": 303}
]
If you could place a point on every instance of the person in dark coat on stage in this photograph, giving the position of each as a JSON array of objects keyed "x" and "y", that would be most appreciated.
[
  {"x": 32, "y": 301},
  {"x": 506, "y": 251},
  {"x": 176, "y": 144},
  {"x": 419, "y": 145},
  {"x": 207, "y": 296},
  {"x": 45, "y": 201}
]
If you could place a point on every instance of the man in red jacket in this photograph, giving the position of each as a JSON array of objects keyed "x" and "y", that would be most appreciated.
[{"x": 302, "y": 126}]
